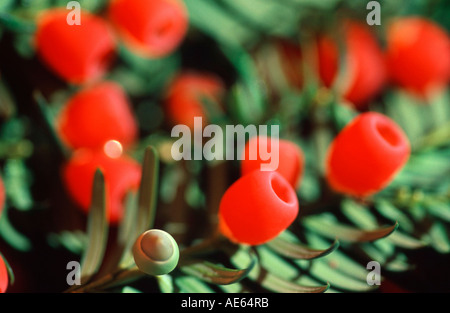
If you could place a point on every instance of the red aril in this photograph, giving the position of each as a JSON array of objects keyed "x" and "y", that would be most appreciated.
[
  {"x": 4, "y": 279},
  {"x": 122, "y": 175},
  {"x": 290, "y": 157},
  {"x": 362, "y": 75},
  {"x": 76, "y": 53},
  {"x": 418, "y": 55},
  {"x": 257, "y": 208},
  {"x": 152, "y": 28},
  {"x": 96, "y": 115},
  {"x": 365, "y": 156},
  {"x": 186, "y": 93}
]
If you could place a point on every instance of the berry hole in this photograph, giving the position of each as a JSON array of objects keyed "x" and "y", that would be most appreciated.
[
  {"x": 388, "y": 134},
  {"x": 281, "y": 188}
]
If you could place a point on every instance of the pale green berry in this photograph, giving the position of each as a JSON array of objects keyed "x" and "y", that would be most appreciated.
[{"x": 155, "y": 252}]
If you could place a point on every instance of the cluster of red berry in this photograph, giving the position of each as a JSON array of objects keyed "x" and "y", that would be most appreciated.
[
  {"x": 83, "y": 53},
  {"x": 260, "y": 204},
  {"x": 351, "y": 60},
  {"x": 97, "y": 122},
  {"x": 365, "y": 156},
  {"x": 362, "y": 159}
]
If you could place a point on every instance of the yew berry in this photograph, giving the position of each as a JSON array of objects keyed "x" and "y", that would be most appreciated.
[
  {"x": 290, "y": 157},
  {"x": 327, "y": 60},
  {"x": 418, "y": 55},
  {"x": 186, "y": 93},
  {"x": 122, "y": 175},
  {"x": 152, "y": 28},
  {"x": 96, "y": 115},
  {"x": 4, "y": 279},
  {"x": 77, "y": 53},
  {"x": 364, "y": 73},
  {"x": 365, "y": 156},
  {"x": 257, "y": 207}
]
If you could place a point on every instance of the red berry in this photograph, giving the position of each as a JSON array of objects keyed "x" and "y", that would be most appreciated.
[
  {"x": 186, "y": 94},
  {"x": 418, "y": 55},
  {"x": 366, "y": 155},
  {"x": 327, "y": 59},
  {"x": 95, "y": 115},
  {"x": 257, "y": 207},
  {"x": 122, "y": 174},
  {"x": 364, "y": 73},
  {"x": 77, "y": 53},
  {"x": 152, "y": 28},
  {"x": 4, "y": 279},
  {"x": 290, "y": 158}
]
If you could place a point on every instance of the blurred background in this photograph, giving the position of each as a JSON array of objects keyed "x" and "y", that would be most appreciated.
[{"x": 307, "y": 66}]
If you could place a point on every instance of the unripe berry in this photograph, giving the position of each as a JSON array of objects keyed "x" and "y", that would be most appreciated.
[
  {"x": 152, "y": 28},
  {"x": 418, "y": 55},
  {"x": 257, "y": 208},
  {"x": 364, "y": 73},
  {"x": 76, "y": 53},
  {"x": 4, "y": 279},
  {"x": 186, "y": 93},
  {"x": 290, "y": 157},
  {"x": 155, "y": 252},
  {"x": 95, "y": 115},
  {"x": 365, "y": 156},
  {"x": 122, "y": 175}
]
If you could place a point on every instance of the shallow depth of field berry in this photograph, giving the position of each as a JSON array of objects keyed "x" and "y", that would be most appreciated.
[{"x": 224, "y": 146}]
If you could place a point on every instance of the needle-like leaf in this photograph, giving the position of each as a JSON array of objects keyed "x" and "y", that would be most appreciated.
[
  {"x": 285, "y": 280},
  {"x": 48, "y": 118},
  {"x": 216, "y": 274},
  {"x": 298, "y": 251},
  {"x": 138, "y": 221},
  {"x": 334, "y": 229},
  {"x": 148, "y": 190},
  {"x": 277, "y": 284},
  {"x": 97, "y": 230}
]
